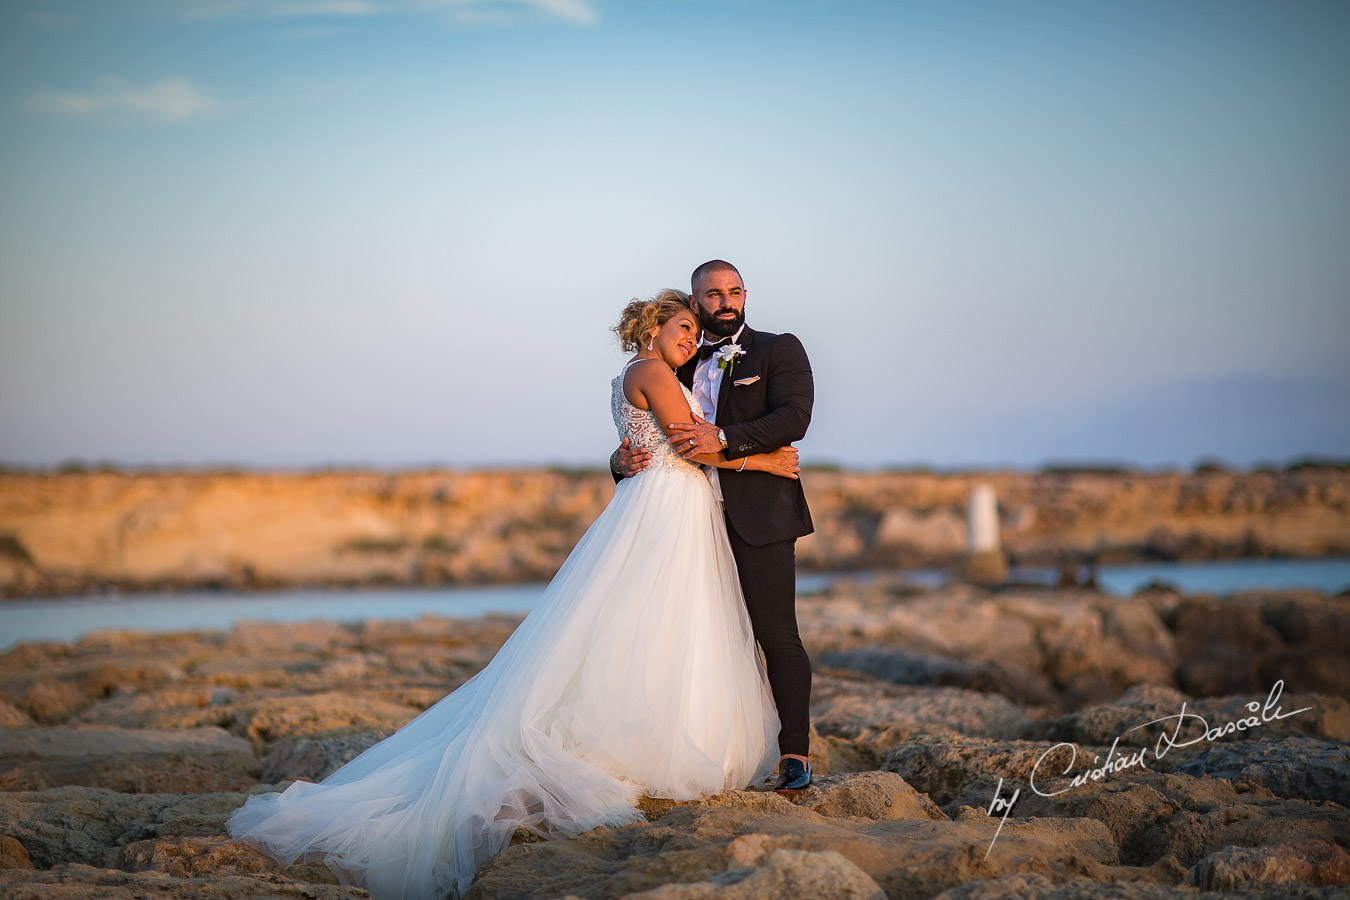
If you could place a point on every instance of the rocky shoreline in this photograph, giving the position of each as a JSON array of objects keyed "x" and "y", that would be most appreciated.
[
  {"x": 121, "y": 755},
  {"x": 82, "y": 531}
]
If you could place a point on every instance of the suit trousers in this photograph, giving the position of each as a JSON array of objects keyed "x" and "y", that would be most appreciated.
[{"x": 768, "y": 577}]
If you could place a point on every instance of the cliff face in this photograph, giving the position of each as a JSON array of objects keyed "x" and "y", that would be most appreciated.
[
  {"x": 76, "y": 531},
  {"x": 1050, "y": 517}
]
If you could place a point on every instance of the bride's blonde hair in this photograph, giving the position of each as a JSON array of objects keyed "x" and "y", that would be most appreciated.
[{"x": 641, "y": 318}]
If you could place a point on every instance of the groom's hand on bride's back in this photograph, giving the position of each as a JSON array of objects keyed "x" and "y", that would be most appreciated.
[{"x": 628, "y": 461}]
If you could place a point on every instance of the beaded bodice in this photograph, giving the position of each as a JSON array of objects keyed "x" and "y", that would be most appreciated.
[{"x": 642, "y": 430}]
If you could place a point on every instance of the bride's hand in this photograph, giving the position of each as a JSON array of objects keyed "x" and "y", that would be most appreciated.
[{"x": 782, "y": 462}]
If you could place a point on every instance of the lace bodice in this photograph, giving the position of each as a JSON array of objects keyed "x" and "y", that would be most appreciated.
[{"x": 642, "y": 430}]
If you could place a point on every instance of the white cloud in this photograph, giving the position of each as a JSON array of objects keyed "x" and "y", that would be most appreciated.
[
  {"x": 208, "y": 9},
  {"x": 579, "y": 12},
  {"x": 572, "y": 10},
  {"x": 325, "y": 8},
  {"x": 172, "y": 100},
  {"x": 291, "y": 9}
]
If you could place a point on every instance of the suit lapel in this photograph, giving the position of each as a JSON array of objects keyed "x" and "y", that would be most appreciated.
[
  {"x": 686, "y": 372},
  {"x": 724, "y": 391}
]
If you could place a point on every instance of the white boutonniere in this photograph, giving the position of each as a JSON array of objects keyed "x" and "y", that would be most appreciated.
[{"x": 726, "y": 356}]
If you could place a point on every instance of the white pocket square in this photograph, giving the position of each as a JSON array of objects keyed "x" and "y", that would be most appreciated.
[{"x": 742, "y": 382}]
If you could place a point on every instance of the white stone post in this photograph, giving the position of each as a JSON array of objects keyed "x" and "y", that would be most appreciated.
[{"x": 983, "y": 562}]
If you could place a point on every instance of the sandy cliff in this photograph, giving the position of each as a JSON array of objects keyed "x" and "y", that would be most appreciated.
[{"x": 75, "y": 531}]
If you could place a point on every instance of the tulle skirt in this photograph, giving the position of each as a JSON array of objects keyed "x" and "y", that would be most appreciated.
[{"x": 635, "y": 674}]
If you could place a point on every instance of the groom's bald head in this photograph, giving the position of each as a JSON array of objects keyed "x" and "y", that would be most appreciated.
[
  {"x": 719, "y": 297},
  {"x": 709, "y": 267}
]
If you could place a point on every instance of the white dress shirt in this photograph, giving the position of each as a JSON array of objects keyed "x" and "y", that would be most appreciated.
[{"x": 707, "y": 384}]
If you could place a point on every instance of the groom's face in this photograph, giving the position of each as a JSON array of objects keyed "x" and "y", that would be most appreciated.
[{"x": 719, "y": 298}]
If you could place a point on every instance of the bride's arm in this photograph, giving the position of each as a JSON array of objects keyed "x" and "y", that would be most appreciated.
[{"x": 655, "y": 387}]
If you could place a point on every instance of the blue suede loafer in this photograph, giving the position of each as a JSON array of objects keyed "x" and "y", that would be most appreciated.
[{"x": 795, "y": 775}]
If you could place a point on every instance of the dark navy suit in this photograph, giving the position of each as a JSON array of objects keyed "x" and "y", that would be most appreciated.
[{"x": 764, "y": 403}]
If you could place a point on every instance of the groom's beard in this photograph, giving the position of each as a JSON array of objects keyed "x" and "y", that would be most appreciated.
[{"x": 722, "y": 328}]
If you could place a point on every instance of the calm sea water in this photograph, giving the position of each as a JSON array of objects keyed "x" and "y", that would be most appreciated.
[
  {"x": 67, "y": 619},
  {"x": 70, "y": 619}
]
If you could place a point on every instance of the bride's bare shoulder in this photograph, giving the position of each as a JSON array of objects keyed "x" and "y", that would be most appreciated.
[{"x": 641, "y": 378}]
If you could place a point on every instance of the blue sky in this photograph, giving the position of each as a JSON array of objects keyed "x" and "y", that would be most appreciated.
[{"x": 396, "y": 233}]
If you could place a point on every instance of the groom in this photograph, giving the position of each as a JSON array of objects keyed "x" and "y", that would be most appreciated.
[{"x": 760, "y": 389}]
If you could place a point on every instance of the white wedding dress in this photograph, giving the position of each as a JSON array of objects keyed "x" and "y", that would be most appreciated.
[{"x": 635, "y": 674}]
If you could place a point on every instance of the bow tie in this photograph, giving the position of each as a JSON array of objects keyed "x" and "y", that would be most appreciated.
[{"x": 707, "y": 350}]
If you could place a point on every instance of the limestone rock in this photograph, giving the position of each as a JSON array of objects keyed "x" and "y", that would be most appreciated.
[
  {"x": 1190, "y": 836},
  {"x": 959, "y": 770},
  {"x": 1124, "y": 718},
  {"x": 1312, "y": 861},
  {"x": 13, "y": 855},
  {"x": 1222, "y": 647},
  {"x": 198, "y": 760},
  {"x": 902, "y": 665},
  {"x": 275, "y": 718},
  {"x": 1311, "y": 715},
  {"x": 50, "y": 700},
  {"x": 1319, "y": 716},
  {"x": 76, "y": 882},
  {"x": 1061, "y": 648},
  {"x": 155, "y": 707},
  {"x": 752, "y": 801},
  {"x": 1130, "y": 807},
  {"x": 696, "y": 842},
  {"x": 1019, "y": 885},
  {"x": 212, "y": 857},
  {"x": 1097, "y": 648},
  {"x": 1314, "y": 631},
  {"x": 23, "y": 778},
  {"x": 1293, "y": 767},
  {"x": 1035, "y": 886},
  {"x": 601, "y": 862},
  {"x": 120, "y": 676},
  {"x": 247, "y": 672},
  {"x": 1156, "y": 817},
  {"x": 988, "y": 567},
  {"x": 314, "y": 758},
  {"x": 880, "y": 796},
  {"x": 13, "y": 717},
  {"x": 1137, "y": 632},
  {"x": 85, "y": 825},
  {"x": 853, "y": 709},
  {"x": 286, "y": 717},
  {"x": 785, "y": 875}
]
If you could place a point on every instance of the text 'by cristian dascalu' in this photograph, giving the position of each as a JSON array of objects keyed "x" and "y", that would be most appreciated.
[{"x": 1197, "y": 731}]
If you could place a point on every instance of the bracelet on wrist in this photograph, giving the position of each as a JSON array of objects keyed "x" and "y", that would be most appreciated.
[{"x": 742, "y": 466}]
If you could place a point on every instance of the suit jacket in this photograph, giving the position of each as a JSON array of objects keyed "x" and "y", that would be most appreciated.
[{"x": 768, "y": 409}]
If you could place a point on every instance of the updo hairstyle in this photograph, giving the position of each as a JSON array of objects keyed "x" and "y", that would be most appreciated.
[{"x": 641, "y": 318}]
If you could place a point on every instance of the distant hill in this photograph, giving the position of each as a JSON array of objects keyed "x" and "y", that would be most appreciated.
[{"x": 76, "y": 531}]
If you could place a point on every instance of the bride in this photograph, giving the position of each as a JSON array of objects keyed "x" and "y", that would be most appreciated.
[{"x": 635, "y": 674}]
